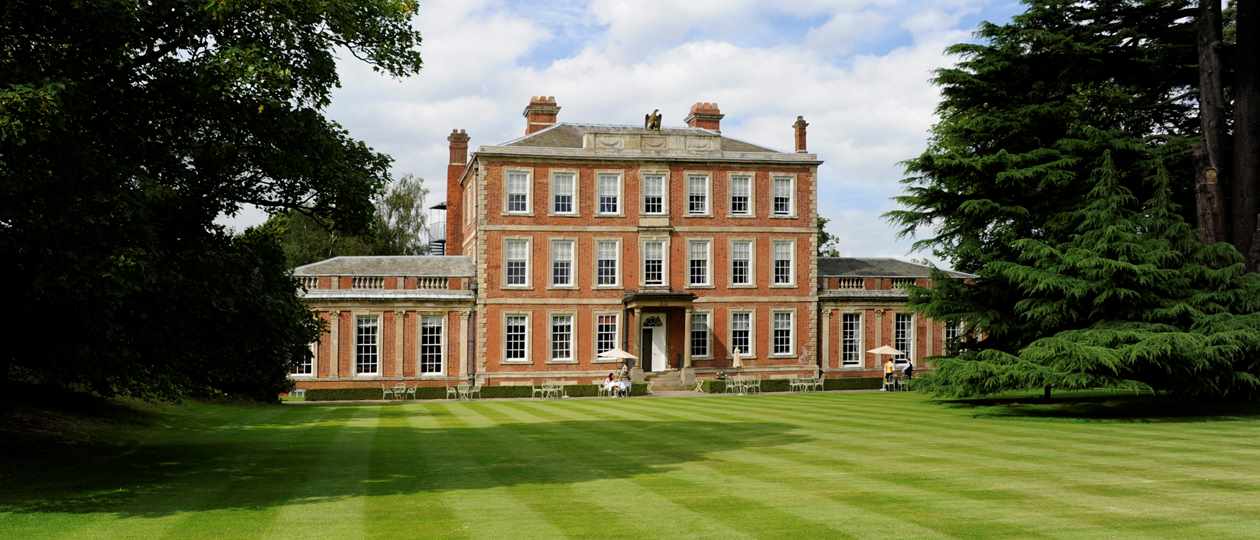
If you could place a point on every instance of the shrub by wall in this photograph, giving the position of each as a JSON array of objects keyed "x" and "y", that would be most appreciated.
[
  {"x": 784, "y": 385},
  {"x": 438, "y": 392}
]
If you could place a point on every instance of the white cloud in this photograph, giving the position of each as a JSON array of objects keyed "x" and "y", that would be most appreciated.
[{"x": 867, "y": 111}]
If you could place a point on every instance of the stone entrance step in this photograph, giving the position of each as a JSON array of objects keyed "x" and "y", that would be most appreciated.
[{"x": 665, "y": 381}]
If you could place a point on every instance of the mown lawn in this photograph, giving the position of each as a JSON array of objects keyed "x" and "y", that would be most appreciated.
[{"x": 831, "y": 465}]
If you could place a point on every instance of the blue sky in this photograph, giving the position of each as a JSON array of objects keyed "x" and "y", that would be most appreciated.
[{"x": 857, "y": 70}]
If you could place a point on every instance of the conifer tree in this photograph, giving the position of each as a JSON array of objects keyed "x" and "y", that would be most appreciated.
[{"x": 1143, "y": 303}]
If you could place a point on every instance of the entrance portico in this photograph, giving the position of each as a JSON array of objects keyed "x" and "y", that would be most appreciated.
[{"x": 660, "y": 320}]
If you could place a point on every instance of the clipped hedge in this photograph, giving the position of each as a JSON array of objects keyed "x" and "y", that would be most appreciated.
[
  {"x": 854, "y": 383},
  {"x": 439, "y": 392},
  {"x": 784, "y": 385}
]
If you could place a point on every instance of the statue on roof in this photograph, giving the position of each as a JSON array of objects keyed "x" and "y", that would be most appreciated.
[{"x": 652, "y": 120}]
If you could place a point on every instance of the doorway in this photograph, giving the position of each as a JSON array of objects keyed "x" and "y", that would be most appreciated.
[{"x": 652, "y": 344}]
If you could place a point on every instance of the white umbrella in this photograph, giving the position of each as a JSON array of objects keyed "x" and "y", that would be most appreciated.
[
  {"x": 885, "y": 350},
  {"x": 617, "y": 354},
  {"x": 736, "y": 361}
]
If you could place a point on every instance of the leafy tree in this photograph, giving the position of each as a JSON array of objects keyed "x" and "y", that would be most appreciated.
[
  {"x": 1145, "y": 303},
  {"x": 399, "y": 227},
  {"x": 126, "y": 128},
  {"x": 402, "y": 218},
  {"x": 828, "y": 244}
]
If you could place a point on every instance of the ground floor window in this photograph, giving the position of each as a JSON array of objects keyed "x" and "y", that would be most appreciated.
[
  {"x": 515, "y": 338},
  {"x": 306, "y": 365},
  {"x": 562, "y": 337},
  {"x": 782, "y": 321},
  {"x": 431, "y": 344},
  {"x": 605, "y": 332},
  {"x": 850, "y": 336},
  {"x": 903, "y": 335},
  {"x": 366, "y": 345},
  {"x": 951, "y": 336},
  {"x": 741, "y": 332},
  {"x": 699, "y": 334}
]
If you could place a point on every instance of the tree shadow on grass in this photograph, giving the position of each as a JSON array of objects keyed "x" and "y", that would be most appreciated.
[
  {"x": 276, "y": 463},
  {"x": 1109, "y": 406}
]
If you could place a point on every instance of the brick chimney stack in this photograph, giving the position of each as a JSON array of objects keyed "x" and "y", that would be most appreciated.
[
  {"x": 454, "y": 193},
  {"x": 540, "y": 113},
  {"x": 705, "y": 115},
  {"x": 800, "y": 133}
]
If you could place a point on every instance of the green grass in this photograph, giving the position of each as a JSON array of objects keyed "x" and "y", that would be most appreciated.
[{"x": 832, "y": 465}]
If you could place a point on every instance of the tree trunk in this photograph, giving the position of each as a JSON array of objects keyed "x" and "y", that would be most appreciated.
[
  {"x": 1213, "y": 161},
  {"x": 1209, "y": 201},
  {"x": 1245, "y": 181},
  {"x": 1045, "y": 394}
]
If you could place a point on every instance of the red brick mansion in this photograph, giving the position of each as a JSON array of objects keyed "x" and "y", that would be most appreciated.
[{"x": 679, "y": 245}]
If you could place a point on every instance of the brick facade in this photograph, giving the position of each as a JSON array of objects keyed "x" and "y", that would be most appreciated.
[{"x": 555, "y": 220}]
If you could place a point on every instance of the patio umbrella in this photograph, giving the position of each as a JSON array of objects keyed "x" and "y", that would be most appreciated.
[
  {"x": 736, "y": 361},
  {"x": 885, "y": 350},
  {"x": 617, "y": 354}
]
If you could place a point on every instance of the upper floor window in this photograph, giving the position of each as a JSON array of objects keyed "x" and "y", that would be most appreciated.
[
  {"x": 697, "y": 194},
  {"x": 741, "y": 262},
  {"x": 654, "y": 262},
  {"x": 784, "y": 262},
  {"x": 607, "y": 263},
  {"x": 698, "y": 262},
  {"x": 654, "y": 194},
  {"x": 366, "y": 345},
  {"x": 563, "y": 193},
  {"x": 562, "y": 263},
  {"x": 741, "y": 195},
  {"x": 609, "y": 193},
  {"x": 784, "y": 205},
  {"x": 518, "y": 192},
  {"x": 516, "y": 265},
  {"x": 470, "y": 206}
]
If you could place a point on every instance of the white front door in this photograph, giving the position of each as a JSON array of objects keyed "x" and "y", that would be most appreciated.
[
  {"x": 653, "y": 344},
  {"x": 659, "y": 361}
]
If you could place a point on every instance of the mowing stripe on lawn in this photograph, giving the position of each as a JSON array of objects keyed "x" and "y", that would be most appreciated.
[
  {"x": 711, "y": 412},
  {"x": 329, "y": 502},
  {"x": 488, "y": 508},
  {"x": 753, "y": 516},
  {"x": 1109, "y": 478},
  {"x": 732, "y": 498}
]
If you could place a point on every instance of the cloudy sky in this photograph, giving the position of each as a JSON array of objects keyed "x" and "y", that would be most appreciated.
[{"x": 857, "y": 70}]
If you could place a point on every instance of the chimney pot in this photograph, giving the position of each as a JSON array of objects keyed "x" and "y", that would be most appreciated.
[
  {"x": 800, "y": 125},
  {"x": 540, "y": 113},
  {"x": 705, "y": 115}
]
